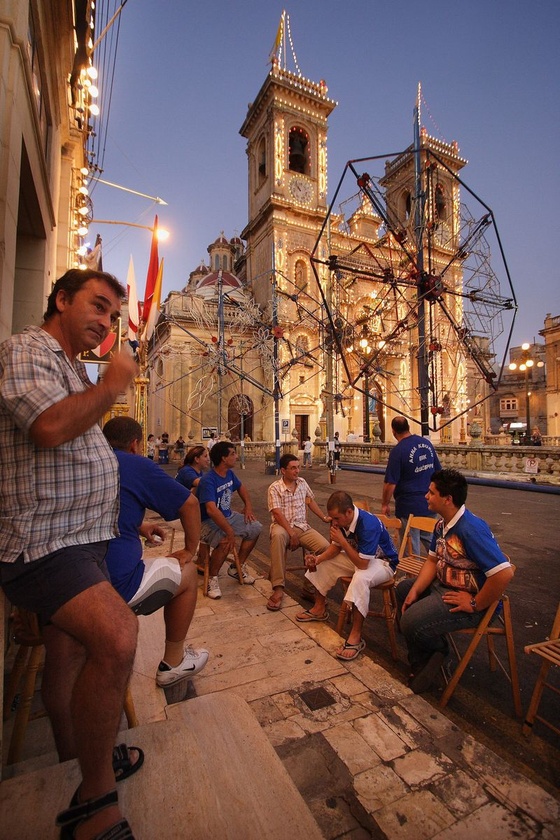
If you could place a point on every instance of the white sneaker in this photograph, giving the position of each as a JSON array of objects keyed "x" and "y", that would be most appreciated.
[
  {"x": 193, "y": 662},
  {"x": 214, "y": 590},
  {"x": 247, "y": 578}
]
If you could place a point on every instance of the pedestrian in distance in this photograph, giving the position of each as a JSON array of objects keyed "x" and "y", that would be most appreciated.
[{"x": 58, "y": 510}]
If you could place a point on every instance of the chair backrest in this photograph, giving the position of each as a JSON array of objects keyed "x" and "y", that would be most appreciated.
[
  {"x": 363, "y": 504},
  {"x": 393, "y": 525},
  {"x": 424, "y": 523}
]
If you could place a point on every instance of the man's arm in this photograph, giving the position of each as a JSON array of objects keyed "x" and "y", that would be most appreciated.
[
  {"x": 314, "y": 507},
  {"x": 424, "y": 579},
  {"x": 338, "y": 538},
  {"x": 281, "y": 520},
  {"x": 492, "y": 589},
  {"x": 386, "y": 496},
  {"x": 247, "y": 506},
  {"x": 75, "y": 414},
  {"x": 189, "y": 514},
  {"x": 221, "y": 521}
]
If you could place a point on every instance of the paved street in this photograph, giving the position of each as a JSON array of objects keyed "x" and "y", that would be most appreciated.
[{"x": 526, "y": 526}]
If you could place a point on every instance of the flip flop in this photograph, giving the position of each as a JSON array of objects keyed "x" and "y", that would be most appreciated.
[
  {"x": 273, "y": 605},
  {"x": 123, "y": 766},
  {"x": 307, "y": 615},
  {"x": 356, "y": 650}
]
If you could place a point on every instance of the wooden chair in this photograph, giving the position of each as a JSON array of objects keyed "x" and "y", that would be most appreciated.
[
  {"x": 411, "y": 563},
  {"x": 388, "y": 610},
  {"x": 204, "y": 557},
  {"x": 502, "y": 627},
  {"x": 549, "y": 651},
  {"x": 28, "y": 661}
]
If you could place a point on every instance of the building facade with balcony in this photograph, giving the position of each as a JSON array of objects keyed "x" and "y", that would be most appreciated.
[{"x": 521, "y": 390}]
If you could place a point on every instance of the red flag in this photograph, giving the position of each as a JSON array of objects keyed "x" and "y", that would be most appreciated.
[
  {"x": 152, "y": 274},
  {"x": 154, "y": 311}
]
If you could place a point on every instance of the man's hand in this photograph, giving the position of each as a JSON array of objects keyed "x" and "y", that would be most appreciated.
[
  {"x": 121, "y": 371},
  {"x": 248, "y": 513},
  {"x": 294, "y": 542},
  {"x": 183, "y": 556},
  {"x": 149, "y": 530},
  {"x": 229, "y": 539},
  {"x": 385, "y": 509},
  {"x": 409, "y": 600},
  {"x": 458, "y": 600},
  {"x": 311, "y": 562},
  {"x": 337, "y": 536}
]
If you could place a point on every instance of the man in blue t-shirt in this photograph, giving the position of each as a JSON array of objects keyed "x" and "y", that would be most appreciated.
[
  {"x": 169, "y": 582},
  {"x": 220, "y": 524},
  {"x": 409, "y": 470},
  {"x": 360, "y": 546},
  {"x": 463, "y": 574}
]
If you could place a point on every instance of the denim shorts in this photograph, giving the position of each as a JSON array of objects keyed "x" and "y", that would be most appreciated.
[
  {"x": 43, "y": 586},
  {"x": 212, "y": 535}
]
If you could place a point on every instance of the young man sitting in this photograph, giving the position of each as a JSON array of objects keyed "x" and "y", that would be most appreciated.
[
  {"x": 168, "y": 582},
  {"x": 220, "y": 524},
  {"x": 357, "y": 540}
]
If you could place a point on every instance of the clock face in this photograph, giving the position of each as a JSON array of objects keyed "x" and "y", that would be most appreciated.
[{"x": 301, "y": 190}]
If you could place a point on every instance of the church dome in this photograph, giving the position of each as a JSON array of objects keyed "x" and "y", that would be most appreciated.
[{"x": 207, "y": 286}]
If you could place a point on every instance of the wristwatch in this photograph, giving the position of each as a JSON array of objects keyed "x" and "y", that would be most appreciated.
[{"x": 473, "y": 605}]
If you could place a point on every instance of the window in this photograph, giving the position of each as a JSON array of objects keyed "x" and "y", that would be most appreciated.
[
  {"x": 508, "y": 404},
  {"x": 261, "y": 161},
  {"x": 299, "y": 151},
  {"x": 300, "y": 273},
  {"x": 441, "y": 203}
]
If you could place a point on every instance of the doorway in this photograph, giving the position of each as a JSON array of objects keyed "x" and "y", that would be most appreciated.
[{"x": 302, "y": 428}]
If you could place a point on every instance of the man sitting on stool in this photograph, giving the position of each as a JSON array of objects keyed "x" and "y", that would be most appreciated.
[
  {"x": 168, "y": 582},
  {"x": 220, "y": 524},
  {"x": 288, "y": 500},
  {"x": 357, "y": 538}
]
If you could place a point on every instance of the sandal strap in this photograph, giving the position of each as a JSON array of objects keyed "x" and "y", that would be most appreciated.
[
  {"x": 119, "y": 831},
  {"x": 85, "y": 810}
]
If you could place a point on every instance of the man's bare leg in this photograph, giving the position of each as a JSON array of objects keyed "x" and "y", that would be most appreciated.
[
  {"x": 64, "y": 660},
  {"x": 178, "y": 614},
  {"x": 218, "y": 557},
  {"x": 354, "y": 635},
  {"x": 245, "y": 549},
  {"x": 107, "y": 629}
]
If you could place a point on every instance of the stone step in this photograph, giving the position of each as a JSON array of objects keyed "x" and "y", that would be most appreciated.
[{"x": 209, "y": 771}]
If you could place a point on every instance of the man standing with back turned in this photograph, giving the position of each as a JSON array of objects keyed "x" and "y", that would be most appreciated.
[
  {"x": 409, "y": 470},
  {"x": 58, "y": 510}
]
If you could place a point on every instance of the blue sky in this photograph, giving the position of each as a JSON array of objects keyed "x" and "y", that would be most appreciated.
[{"x": 185, "y": 72}]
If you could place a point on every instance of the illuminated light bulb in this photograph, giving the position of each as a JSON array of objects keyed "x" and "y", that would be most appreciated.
[
  {"x": 93, "y": 91},
  {"x": 92, "y": 72},
  {"x": 84, "y": 170},
  {"x": 83, "y": 191},
  {"x": 529, "y": 363},
  {"x": 83, "y": 231},
  {"x": 82, "y": 266},
  {"x": 94, "y": 109},
  {"x": 82, "y": 251},
  {"x": 525, "y": 346},
  {"x": 83, "y": 211}
]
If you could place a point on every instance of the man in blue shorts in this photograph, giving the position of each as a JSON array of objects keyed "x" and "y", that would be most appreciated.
[
  {"x": 58, "y": 509},
  {"x": 409, "y": 470},
  {"x": 220, "y": 524},
  {"x": 463, "y": 574},
  {"x": 361, "y": 547},
  {"x": 168, "y": 582}
]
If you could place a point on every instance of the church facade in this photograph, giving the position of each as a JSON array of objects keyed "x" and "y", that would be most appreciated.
[{"x": 308, "y": 323}]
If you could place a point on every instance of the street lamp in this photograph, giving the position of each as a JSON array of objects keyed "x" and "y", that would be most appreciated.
[{"x": 524, "y": 365}]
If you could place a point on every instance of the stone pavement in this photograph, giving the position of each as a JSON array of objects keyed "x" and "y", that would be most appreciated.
[{"x": 377, "y": 761}]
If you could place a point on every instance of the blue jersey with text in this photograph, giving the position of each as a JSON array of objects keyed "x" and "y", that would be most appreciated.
[
  {"x": 412, "y": 462},
  {"x": 215, "y": 488}
]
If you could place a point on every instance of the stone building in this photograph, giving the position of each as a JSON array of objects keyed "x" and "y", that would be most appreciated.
[
  {"x": 522, "y": 391},
  {"x": 346, "y": 366},
  {"x": 45, "y": 103},
  {"x": 551, "y": 335}
]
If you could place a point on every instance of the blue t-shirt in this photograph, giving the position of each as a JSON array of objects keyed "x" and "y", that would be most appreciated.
[
  {"x": 412, "y": 462},
  {"x": 371, "y": 538},
  {"x": 213, "y": 488},
  {"x": 467, "y": 553},
  {"x": 143, "y": 484},
  {"x": 187, "y": 476}
]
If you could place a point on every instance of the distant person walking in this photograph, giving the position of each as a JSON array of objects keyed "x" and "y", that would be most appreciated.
[
  {"x": 407, "y": 477},
  {"x": 308, "y": 453}
]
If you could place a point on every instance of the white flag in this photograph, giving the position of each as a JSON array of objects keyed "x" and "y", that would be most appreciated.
[{"x": 133, "y": 317}]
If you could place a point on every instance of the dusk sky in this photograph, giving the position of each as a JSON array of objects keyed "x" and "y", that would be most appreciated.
[{"x": 185, "y": 73}]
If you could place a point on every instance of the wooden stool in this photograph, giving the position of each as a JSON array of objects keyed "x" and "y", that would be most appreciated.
[
  {"x": 27, "y": 663},
  {"x": 204, "y": 556},
  {"x": 549, "y": 651}
]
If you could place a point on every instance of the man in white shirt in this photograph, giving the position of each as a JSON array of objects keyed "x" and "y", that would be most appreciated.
[{"x": 288, "y": 500}]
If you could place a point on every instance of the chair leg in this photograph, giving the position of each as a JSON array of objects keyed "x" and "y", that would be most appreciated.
[
  {"x": 235, "y": 556},
  {"x": 205, "y": 557},
  {"x": 514, "y": 678},
  {"x": 129, "y": 710},
  {"x": 390, "y": 610},
  {"x": 18, "y": 670},
  {"x": 536, "y": 698},
  {"x": 26, "y": 699},
  {"x": 464, "y": 661}
]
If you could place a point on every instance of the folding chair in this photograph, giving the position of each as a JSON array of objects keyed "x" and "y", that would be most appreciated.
[
  {"x": 549, "y": 651},
  {"x": 503, "y": 627},
  {"x": 411, "y": 563},
  {"x": 389, "y": 608},
  {"x": 28, "y": 662}
]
